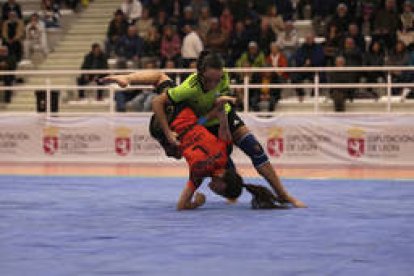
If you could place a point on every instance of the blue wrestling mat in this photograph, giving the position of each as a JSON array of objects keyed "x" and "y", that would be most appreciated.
[{"x": 129, "y": 226}]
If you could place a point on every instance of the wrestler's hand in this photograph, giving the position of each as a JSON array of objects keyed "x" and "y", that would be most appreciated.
[
  {"x": 199, "y": 199},
  {"x": 296, "y": 202},
  {"x": 220, "y": 101},
  {"x": 172, "y": 138},
  {"x": 121, "y": 80}
]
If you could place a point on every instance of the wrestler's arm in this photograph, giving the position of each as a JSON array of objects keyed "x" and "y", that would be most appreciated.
[{"x": 153, "y": 77}]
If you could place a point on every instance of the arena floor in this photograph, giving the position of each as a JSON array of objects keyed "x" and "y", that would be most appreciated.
[{"x": 121, "y": 220}]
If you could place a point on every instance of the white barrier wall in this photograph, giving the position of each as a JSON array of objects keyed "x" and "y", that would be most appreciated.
[{"x": 299, "y": 139}]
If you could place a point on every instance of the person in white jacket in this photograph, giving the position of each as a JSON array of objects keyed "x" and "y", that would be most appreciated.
[
  {"x": 36, "y": 36},
  {"x": 192, "y": 45},
  {"x": 132, "y": 10}
]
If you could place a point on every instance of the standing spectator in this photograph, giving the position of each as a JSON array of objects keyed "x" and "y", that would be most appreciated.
[
  {"x": 13, "y": 33},
  {"x": 275, "y": 20},
  {"x": 35, "y": 36},
  {"x": 9, "y": 6},
  {"x": 50, "y": 14},
  {"x": 254, "y": 57},
  {"x": 7, "y": 63},
  {"x": 94, "y": 60},
  {"x": 132, "y": 10},
  {"x": 226, "y": 21},
  {"x": 310, "y": 54},
  {"x": 129, "y": 49},
  {"x": 216, "y": 39},
  {"x": 288, "y": 41},
  {"x": 170, "y": 45},
  {"x": 117, "y": 28},
  {"x": 386, "y": 24},
  {"x": 144, "y": 23},
  {"x": 191, "y": 47},
  {"x": 237, "y": 43}
]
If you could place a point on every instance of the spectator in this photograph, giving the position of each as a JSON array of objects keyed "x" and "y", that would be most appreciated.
[
  {"x": 374, "y": 57},
  {"x": 152, "y": 42},
  {"x": 9, "y": 6},
  {"x": 353, "y": 57},
  {"x": 132, "y": 10},
  {"x": 226, "y": 21},
  {"x": 341, "y": 19},
  {"x": 386, "y": 24},
  {"x": 353, "y": 31},
  {"x": 161, "y": 20},
  {"x": 265, "y": 36},
  {"x": 191, "y": 47},
  {"x": 265, "y": 94},
  {"x": 277, "y": 59},
  {"x": 204, "y": 22},
  {"x": 288, "y": 41},
  {"x": 216, "y": 39},
  {"x": 399, "y": 57},
  {"x": 50, "y": 14},
  {"x": 216, "y": 8},
  {"x": 186, "y": 19},
  {"x": 13, "y": 33},
  {"x": 332, "y": 44},
  {"x": 154, "y": 7},
  {"x": 144, "y": 23},
  {"x": 405, "y": 32},
  {"x": 129, "y": 49},
  {"x": 239, "y": 8},
  {"x": 275, "y": 20},
  {"x": 197, "y": 6},
  {"x": 285, "y": 8},
  {"x": 94, "y": 60},
  {"x": 237, "y": 43},
  {"x": 35, "y": 36},
  {"x": 7, "y": 63},
  {"x": 254, "y": 57},
  {"x": 117, "y": 28},
  {"x": 310, "y": 54},
  {"x": 305, "y": 9},
  {"x": 339, "y": 95},
  {"x": 170, "y": 45}
]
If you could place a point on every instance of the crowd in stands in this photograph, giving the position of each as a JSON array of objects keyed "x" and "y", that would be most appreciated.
[
  {"x": 21, "y": 36},
  {"x": 262, "y": 33}
]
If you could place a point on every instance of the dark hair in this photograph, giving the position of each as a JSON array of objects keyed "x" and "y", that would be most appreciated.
[
  {"x": 208, "y": 59},
  {"x": 234, "y": 184}
]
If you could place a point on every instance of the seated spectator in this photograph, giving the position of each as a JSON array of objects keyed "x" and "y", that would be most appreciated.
[
  {"x": 275, "y": 20},
  {"x": 191, "y": 47},
  {"x": 187, "y": 19},
  {"x": 129, "y": 49},
  {"x": 265, "y": 36},
  {"x": 399, "y": 57},
  {"x": 7, "y": 63},
  {"x": 154, "y": 6},
  {"x": 237, "y": 43},
  {"x": 204, "y": 22},
  {"x": 341, "y": 19},
  {"x": 94, "y": 60},
  {"x": 332, "y": 44},
  {"x": 405, "y": 32},
  {"x": 152, "y": 43},
  {"x": 117, "y": 28},
  {"x": 253, "y": 56},
  {"x": 288, "y": 41},
  {"x": 132, "y": 10},
  {"x": 197, "y": 6},
  {"x": 353, "y": 57},
  {"x": 35, "y": 36},
  {"x": 375, "y": 56},
  {"x": 266, "y": 94},
  {"x": 144, "y": 23},
  {"x": 353, "y": 31},
  {"x": 50, "y": 14},
  {"x": 366, "y": 16},
  {"x": 8, "y": 6},
  {"x": 13, "y": 33},
  {"x": 277, "y": 59},
  {"x": 216, "y": 40},
  {"x": 305, "y": 9},
  {"x": 386, "y": 24},
  {"x": 170, "y": 45},
  {"x": 226, "y": 21},
  {"x": 161, "y": 21},
  {"x": 285, "y": 8},
  {"x": 339, "y": 95},
  {"x": 310, "y": 54}
]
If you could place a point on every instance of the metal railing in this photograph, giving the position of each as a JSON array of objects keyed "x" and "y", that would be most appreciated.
[{"x": 244, "y": 85}]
